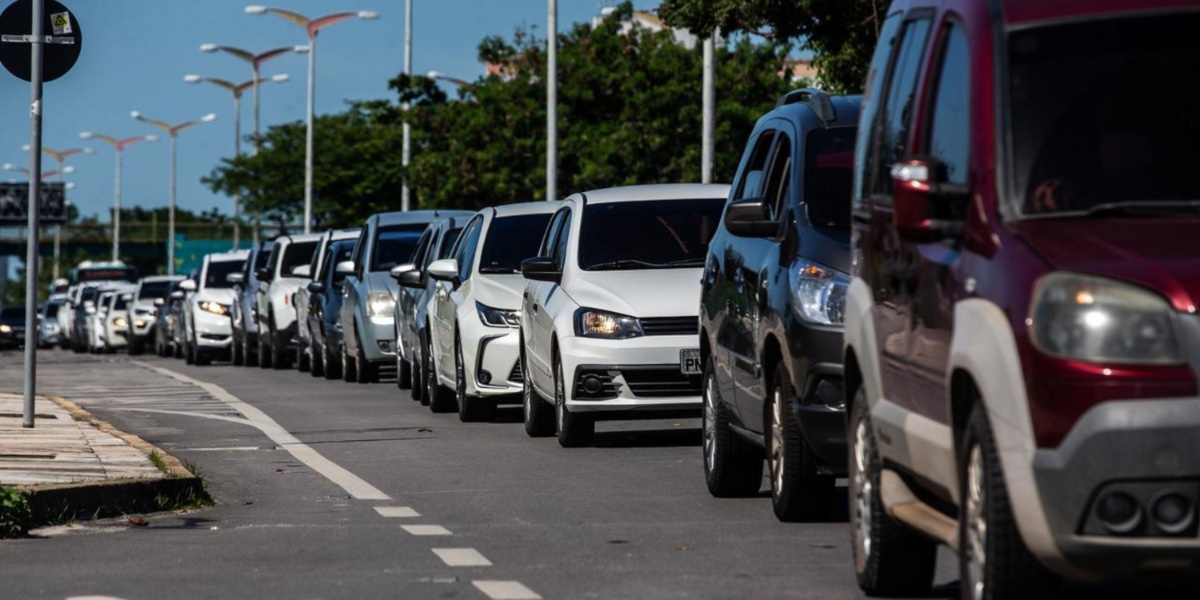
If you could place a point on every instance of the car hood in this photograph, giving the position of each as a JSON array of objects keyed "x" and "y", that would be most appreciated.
[
  {"x": 640, "y": 293},
  {"x": 1159, "y": 254},
  {"x": 499, "y": 291},
  {"x": 382, "y": 282},
  {"x": 224, "y": 296}
]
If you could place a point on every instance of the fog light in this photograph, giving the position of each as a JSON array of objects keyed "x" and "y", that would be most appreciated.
[
  {"x": 385, "y": 346},
  {"x": 1119, "y": 512},
  {"x": 1172, "y": 512},
  {"x": 485, "y": 377},
  {"x": 592, "y": 384}
]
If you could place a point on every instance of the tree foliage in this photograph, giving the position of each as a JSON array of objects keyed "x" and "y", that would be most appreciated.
[
  {"x": 841, "y": 33},
  {"x": 629, "y": 112}
]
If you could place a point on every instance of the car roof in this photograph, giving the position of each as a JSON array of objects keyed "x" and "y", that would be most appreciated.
[
  {"x": 1028, "y": 12},
  {"x": 416, "y": 216},
  {"x": 152, "y": 278},
  {"x": 807, "y": 107},
  {"x": 659, "y": 191},
  {"x": 228, "y": 256},
  {"x": 298, "y": 237},
  {"x": 348, "y": 233},
  {"x": 526, "y": 208}
]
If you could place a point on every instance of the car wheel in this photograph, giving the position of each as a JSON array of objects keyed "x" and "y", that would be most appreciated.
[
  {"x": 539, "y": 414},
  {"x": 266, "y": 355},
  {"x": 250, "y": 349},
  {"x": 136, "y": 347},
  {"x": 189, "y": 353},
  {"x": 303, "y": 359},
  {"x": 200, "y": 357},
  {"x": 366, "y": 371},
  {"x": 733, "y": 467},
  {"x": 889, "y": 559},
  {"x": 333, "y": 363},
  {"x": 470, "y": 408},
  {"x": 403, "y": 371},
  {"x": 237, "y": 354},
  {"x": 317, "y": 368},
  {"x": 424, "y": 374},
  {"x": 799, "y": 492},
  {"x": 280, "y": 355},
  {"x": 348, "y": 374},
  {"x": 441, "y": 400},
  {"x": 994, "y": 563},
  {"x": 416, "y": 386},
  {"x": 574, "y": 430}
]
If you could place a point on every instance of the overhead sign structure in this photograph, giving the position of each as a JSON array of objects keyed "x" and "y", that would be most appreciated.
[
  {"x": 14, "y": 204},
  {"x": 61, "y": 34}
]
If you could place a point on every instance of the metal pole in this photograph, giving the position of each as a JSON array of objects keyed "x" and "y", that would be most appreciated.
[
  {"x": 237, "y": 152},
  {"x": 308, "y": 138},
  {"x": 58, "y": 229},
  {"x": 35, "y": 193},
  {"x": 116, "y": 235},
  {"x": 710, "y": 93},
  {"x": 171, "y": 213},
  {"x": 406, "y": 152},
  {"x": 552, "y": 103},
  {"x": 254, "y": 225}
]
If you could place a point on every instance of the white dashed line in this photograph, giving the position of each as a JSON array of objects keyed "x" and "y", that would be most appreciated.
[
  {"x": 396, "y": 511},
  {"x": 506, "y": 590},
  {"x": 426, "y": 529},
  {"x": 462, "y": 557}
]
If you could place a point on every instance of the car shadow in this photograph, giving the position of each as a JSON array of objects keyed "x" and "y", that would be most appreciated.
[{"x": 649, "y": 438}]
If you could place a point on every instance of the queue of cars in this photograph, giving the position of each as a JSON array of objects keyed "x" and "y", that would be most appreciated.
[{"x": 970, "y": 291}]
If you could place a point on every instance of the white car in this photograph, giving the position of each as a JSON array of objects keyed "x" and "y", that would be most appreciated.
[
  {"x": 150, "y": 295},
  {"x": 610, "y": 318},
  {"x": 475, "y": 310},
  {"x": 114, "y": 333},
  {"x": 207, "y": 327},
  {"x": 97, "y": 323},
  {"x": 277, "y": 286}
]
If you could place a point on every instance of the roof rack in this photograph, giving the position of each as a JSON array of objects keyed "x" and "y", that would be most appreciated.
[{"x": 816, "y": 99}]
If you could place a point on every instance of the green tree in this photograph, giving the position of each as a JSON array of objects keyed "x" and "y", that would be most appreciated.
[{"x": 841, "y": 33}]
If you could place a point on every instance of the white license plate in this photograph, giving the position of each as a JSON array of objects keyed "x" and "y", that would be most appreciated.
[{"x": 689, "y": 362}]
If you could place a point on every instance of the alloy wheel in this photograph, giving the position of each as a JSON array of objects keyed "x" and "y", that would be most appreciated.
[
  {"x": 710, "y": 424},
  {"x": 861, "y": 493},
  {"x": 560, "y": 399},
  {"x": 977, "y": 528},
  {"x": 775, "y": 451}
]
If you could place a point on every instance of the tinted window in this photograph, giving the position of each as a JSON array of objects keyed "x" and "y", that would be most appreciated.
[
  {"x": 448, "y": 243},
  {"x": 122, "y": 301},
  {"x": 52, "y": 310},
  {"x": 950, "y": 134},
  {"x": 154, "y": 289},
  {"x": 422, "y": 252},
  {"x": 106, "y": 274},
  {"x": 214, "y": 275},
  {"x": 547, "y": 246},
  {"x": 751, "y": 184},
  {"x": 828, "y": 173},
  {"x": 263, "y": 255},
  {"x": 295, "y": 255},
  {"x": 898, "y": 108},
  {"x": 872, "y": 99},
  {"x": 1096, "y": 122},
  {"x": 561, "y": 239},
  {"x": 779, "y": 177},
  {"x": 394, "y": 246},
  {"x": 654, "y": 234},
  {"x": 511, "y": 240},
  {"x": 87, "y": 294},
  {"x": 12, "y": 313},
  {"x": 338, "y": 251},
  {"x": 465, "y": 250}
]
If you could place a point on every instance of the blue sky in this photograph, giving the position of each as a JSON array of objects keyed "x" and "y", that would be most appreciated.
[{"x": 136, "y": 52}]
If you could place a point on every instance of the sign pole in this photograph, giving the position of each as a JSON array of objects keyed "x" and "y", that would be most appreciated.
[{"x": 34, "y": 210}]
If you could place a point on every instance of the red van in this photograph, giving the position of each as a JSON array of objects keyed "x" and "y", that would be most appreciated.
[{"x": 1021, "y": 337}]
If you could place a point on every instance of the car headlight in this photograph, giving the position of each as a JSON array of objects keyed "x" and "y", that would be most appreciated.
[
  {"x": 5, "y": 329},
  {"x": 600, "y": 324},
  {"x": 120, "y": 323},
  {"x": 818, "y": 292},
  {"x": 215, "y": 308},
  {"x": 380, "y": 304},
  {"x": 1100, "y": 320},
  {"x": 498, "y": 317}
]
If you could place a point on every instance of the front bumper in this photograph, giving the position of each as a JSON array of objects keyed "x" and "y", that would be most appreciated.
[
  {"x": 494, "y": 369},
  {"x": 635, "y": 375},
  {"x": 1142, "y": 448},
  {"x": 378, "y": 339},
  {"x": 142, "y": 326},
  {"x": 212, "y": 331}
]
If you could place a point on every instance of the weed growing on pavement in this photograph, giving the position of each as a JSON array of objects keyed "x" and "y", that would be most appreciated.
[
  {"x": 157, "y": 460},
  {"x": 15, "y": 516}
]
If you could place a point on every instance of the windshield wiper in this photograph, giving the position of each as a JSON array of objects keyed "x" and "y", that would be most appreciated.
[
  {"x": 625, "y": 263},
  {"x": 1133, "y": 207}
]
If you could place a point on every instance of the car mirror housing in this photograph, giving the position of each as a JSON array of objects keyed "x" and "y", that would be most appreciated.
[
  {"x": 235, "y": 278},
  {"x": 187, "y": 285},
  {"x": 263, "y": 274},
  {"x": 177, "y": 295},
  {"x": 411, "y": 279},
  {"x": 346, "y": 267},
  {"x": 316, "y": 287},
  {"x": 159, "y": 301},
  {"x": 750, "y": 217},
  {"x": 541, "y": 268},
  {"x": 445, "y": 269},
  {"x": 399, "y": 270},
  {"x": 921, "y": 201}
]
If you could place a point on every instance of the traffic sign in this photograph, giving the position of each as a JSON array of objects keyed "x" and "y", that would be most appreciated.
[
  {"x": 62, "y": 39},
  {"x": 14, "y": 204}
]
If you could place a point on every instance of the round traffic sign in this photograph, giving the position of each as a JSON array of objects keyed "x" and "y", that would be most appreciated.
[{"x": 62, "y": 39}]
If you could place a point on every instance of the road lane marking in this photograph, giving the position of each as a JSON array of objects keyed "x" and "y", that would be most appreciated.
[
  {"x": 506, "y": 590},
  {"x": 426, "y": 529},
  {"x": 353, "y": 484},
  {"x": 462, "y": 557},
  {"x": 396, "y": 511}
]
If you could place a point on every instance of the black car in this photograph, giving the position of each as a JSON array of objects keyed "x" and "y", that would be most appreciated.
[
  {"x": 772, "y": 301},
  {"x": 12, "y": 327},
  {"x": 324, "y": 306}
]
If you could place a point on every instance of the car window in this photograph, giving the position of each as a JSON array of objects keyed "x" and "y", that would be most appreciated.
[
  {"x": 511, "y": 240},
  {"x": 559, "y": 252},
  {"x": 950, "y": 133},
  {"x": 394, "y": 245},
  {"x": 339, "y": 251},
  {"x": 216, "y": 271},
  {"x": 295, "y": 255},
  {"x": 779, "y": 176},
  {"x": 359, "y": 248},
  {"x": 750, "y": 185},
  {"x": 656, "y": 234},
  {"x": 12, "y": 312},
  {"x": 465, "y": 251},
  {"x": 898, "y": 108},
  {"x": 448, "y": 241},
  {"x": 547, "y": 245},
  {"x": 121, "y": 301},
  {"x": 264, "y": 255},
  {"x": 153, "y": 289},
  {"x": 828, "y": 175},
  {"x": 422, "y": 251},
  {"x": 872, "y": 100}
]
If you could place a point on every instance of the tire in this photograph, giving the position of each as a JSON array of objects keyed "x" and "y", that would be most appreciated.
[
  {"x": 733, "y": 468},
  {"x": 417, "y": 385},
  {"x": 348, "y": 374},
  {"x": 237, "y": 354},
  {"x": 333, "y": 363},
  {"x": 441, "y": 400},
  {"x": 317, "y": 368},
  {"x": 574, "y": 430},
  {"x": 250, "y": 351},
  {"x": 889, "y": 559},
  {"x": 470, "y": 408},
  {"x": 136, "y": 347},
  {"x": 303, "y": 359},
  {"x": 799, "y": 492},
  {"x": 424, "y": 374},
  {"x": 177, "y": 349},
  {"x": 994, "y": 563},
  {"x": 201, "y": 358},
  {"x": 189, "y": 353},
  {"x": 280, "y": 355},
  {"x": 539, "y": 414},
  {"x": 266, "y": 353},
  {"x": 403, "y": 371},
  {"x": 365, "y": 371}
]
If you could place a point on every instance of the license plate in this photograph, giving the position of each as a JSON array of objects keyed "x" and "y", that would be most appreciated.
[{"x": 689, "y": 362}]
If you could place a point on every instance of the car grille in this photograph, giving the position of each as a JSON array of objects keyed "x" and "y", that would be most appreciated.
[
  {"x": 670, "y": 325},
  {"x": 660, "y": 382}
]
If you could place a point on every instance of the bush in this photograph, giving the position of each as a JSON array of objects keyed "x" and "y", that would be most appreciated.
[{"x": 15, "y": 515}]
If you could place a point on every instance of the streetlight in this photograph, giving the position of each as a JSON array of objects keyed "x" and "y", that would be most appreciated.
[
  {"x": 236, "y": 89},
  {"x": 406, "y": 150},
  {"x": 119, "y": 146},
  {"x": 462, "y": 83},
  {"x": 173, "y": 131},
  {"x": 311, "y": 27},
  {"x": 552, "y": 101},
  {"x": 27, "y": 172}
]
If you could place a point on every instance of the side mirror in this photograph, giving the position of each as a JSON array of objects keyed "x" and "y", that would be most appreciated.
[
  {"x": 445, "y": 269},
  {"x": 177, "y": 295},
  {"x": 541, "y": 268},
  {"x": 316, "y": 287},
  {"x": 303, "y": 271},
  {"x": 235, "y": 278},
  {"x": 263, "y": 273},
  {"x": 346, "y": 267},
  {"x": 411, "y": 279},
  {"x": 159, "y": 301},
  {"x": 187, "y": 285},
  {"x": 399, "y": 270},
  {"x": 750, "y": 217},
  {"x": 921, "y": 201}
]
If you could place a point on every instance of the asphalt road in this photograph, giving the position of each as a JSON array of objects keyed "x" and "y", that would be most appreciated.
[{"x": 327, "y": 489}]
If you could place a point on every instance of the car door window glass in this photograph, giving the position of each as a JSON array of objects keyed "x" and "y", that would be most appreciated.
[
  {"x": 949, "y": 136},
  {"x": 560, "y": 242},
  {"x": 779, "y": 177},
  {"x": 898, "y": 106},
  {"x": 547, "y": 245},
  {"x": 876, "y": 77},
  {"x": 466, "y": 248},
  {"x": 449, "y": 239},
  {"x": 750, "y": 185},
  {"x": 423, "y": 248}
]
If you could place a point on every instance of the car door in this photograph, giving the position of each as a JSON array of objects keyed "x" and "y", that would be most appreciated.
[
  {"x": 443, "y": 308},
  {"x": 406, "y": 305},
  {"x": 352, "y": 294},
  {"x": 533, "y": 290},
  {"x": 540, "y": 315}
]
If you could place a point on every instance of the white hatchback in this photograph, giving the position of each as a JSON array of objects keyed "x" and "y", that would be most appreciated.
[{"x": 610, "y": 317}]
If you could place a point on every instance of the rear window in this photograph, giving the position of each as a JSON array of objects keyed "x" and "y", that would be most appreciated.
[
  {"x": 511, "y": 240},
  {"x": 656, "y": 234},
  {"x": 154, "y": 289},
  {"x": 829, "y": 175},
  {"x": 296, "y": 254},
  {"x": 217, "y": 271},
  {"x": 395, "y": 245}
]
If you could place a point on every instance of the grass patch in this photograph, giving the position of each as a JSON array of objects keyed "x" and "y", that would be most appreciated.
[
  {"x": 157, "y": 460},
  {"x": 16, "y": 517}
]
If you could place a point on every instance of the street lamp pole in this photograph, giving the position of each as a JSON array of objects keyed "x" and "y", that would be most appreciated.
[
  {"x": 709, "y": 101},
  {"x": 59, "y": 156},
  {"x": 406, "y": 151},
  {"x": 552, "y": 102},
  {"x": 236, "y": 89},
  {"x": 119, "y": 146},
  {"x": 173, "y": 131},
  {"x": 311, "y": 27}
]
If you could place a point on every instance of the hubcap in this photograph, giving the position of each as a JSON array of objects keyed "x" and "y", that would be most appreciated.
[
  {"x": 776, "y": 450},
  {"x": 710, "y": 424},
  {"x": 560, "y": 399},
  {"x": 976, "y": 546},
  {"x": 460, "y": 376},
  {"x": 863, "y": 488}
]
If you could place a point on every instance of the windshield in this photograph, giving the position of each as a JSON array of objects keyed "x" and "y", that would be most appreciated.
[
  {"x": 394, "y": 246},
  {"x": 297, "y": 253},
  {"x": 52, "y": 310},
  {"x": 653, "y": 234},
  {"x": 12, "y": 313},
  {"x": 828, "y": 175},
  {"x": 511, "y": 240},
  {"x": 1097, "y": 122},
  {"x": 154, "y": 289},
  {"x": 214, "y": 275},
  {"x": 263, "y": 255},
  {"x": 122, "y": 301}
]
